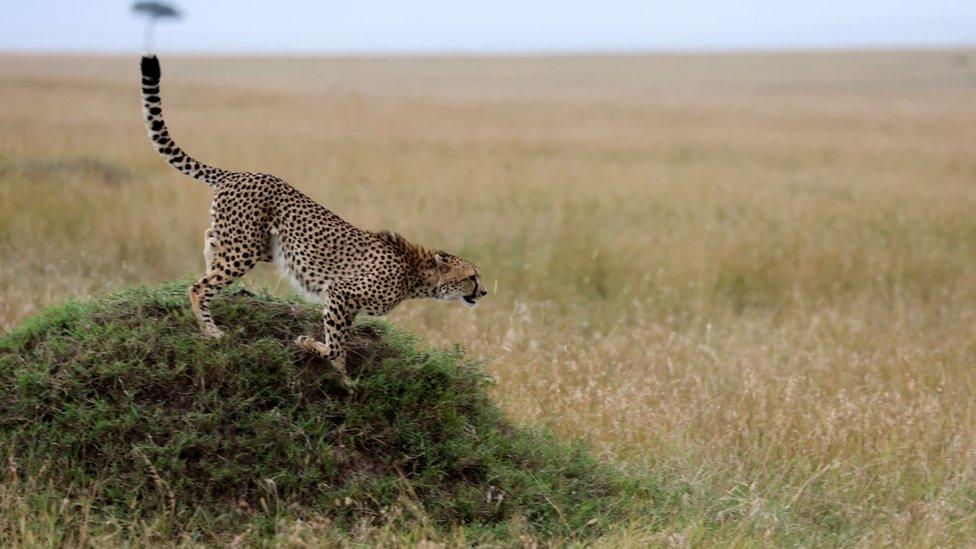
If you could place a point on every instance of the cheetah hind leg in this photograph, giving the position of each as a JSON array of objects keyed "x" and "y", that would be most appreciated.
[
  {"x": 223, "y": 268},
  {"x": 209, "y": 245},
  {"x": 211, "y": 242}
]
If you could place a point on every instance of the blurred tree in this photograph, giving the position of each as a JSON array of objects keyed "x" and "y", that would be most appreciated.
[{"x": 154, "y": 11}]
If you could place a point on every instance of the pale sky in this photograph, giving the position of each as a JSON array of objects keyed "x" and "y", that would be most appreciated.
[{"x": 434, "y": 26}]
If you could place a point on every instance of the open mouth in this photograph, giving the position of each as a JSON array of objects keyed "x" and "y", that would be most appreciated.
[{"x": 469, "y": 301}]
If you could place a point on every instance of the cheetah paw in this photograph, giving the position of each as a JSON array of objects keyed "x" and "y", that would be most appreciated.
[
  {"x": 315, "y": 346},
  {"x": 309, "y": 344},
  {"x": 212, "y": 332}
]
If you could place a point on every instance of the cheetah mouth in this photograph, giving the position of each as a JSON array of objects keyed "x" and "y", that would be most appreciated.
[{"x": 469, "y": 300}]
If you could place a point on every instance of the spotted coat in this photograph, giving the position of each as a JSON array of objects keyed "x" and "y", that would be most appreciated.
[{"x": 258, "y": 217}]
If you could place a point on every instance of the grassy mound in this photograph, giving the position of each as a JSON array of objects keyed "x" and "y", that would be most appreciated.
[{"x": 120, "y": 400}]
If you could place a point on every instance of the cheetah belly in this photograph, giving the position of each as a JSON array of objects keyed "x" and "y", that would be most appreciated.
[{"x": 278, "y": 253}]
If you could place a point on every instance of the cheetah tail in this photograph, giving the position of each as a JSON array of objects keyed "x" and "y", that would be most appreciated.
[{"x": 153, "y": 114}]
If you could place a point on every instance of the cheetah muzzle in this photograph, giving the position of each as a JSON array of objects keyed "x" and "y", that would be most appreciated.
[{"x": 258, "y": 217}]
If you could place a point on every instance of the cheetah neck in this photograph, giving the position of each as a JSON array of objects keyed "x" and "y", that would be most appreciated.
[
  {"x": 424, "y": 281},
  {"x": 421, "y": 273},
  {"x": 422, "y": 276}
]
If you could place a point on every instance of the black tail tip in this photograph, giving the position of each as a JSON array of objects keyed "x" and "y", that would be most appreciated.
[{"x": 150, "y": 67}]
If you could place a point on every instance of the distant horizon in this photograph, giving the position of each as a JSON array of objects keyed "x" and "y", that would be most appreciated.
[
  {"x": 506, "y": 27},
  {"x": 893, "y": 48}
]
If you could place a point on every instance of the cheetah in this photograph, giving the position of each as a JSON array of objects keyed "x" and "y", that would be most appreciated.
[{"x": 258, "y": 217}]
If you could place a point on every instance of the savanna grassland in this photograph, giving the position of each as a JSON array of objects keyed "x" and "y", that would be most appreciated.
[{"x": 751, "y": 278}]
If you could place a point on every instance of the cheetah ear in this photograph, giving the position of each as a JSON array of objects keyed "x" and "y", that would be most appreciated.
[{"x": 440, "y": 258}]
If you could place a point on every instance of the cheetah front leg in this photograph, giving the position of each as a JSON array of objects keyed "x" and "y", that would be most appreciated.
[{"x": 337, "y": 323}]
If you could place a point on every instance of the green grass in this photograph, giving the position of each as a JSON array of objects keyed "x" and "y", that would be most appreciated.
[{"x": 119, "y": 407}]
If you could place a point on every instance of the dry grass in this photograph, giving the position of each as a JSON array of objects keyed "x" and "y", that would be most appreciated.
[{"x": 753, "y": 277}]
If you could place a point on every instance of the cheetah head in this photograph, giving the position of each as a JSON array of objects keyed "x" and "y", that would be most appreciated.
[{"x": 458, "y": 279}]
